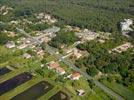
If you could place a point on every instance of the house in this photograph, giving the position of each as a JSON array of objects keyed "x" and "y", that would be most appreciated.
[
  {"x": 101, "y": 41},
  {"x": 60, "y": 70},
  {"x": 86, "y": 35},
  {"x": 125, "y": 26},
  {"x": 27, "y": 56},
  {"x": 47, "y": 16},
  {"x": 75, "y": 76},
  {"x": 68, "y": 50},
  {"x": 77, "y": 53},
  {"x": 53, "y": 65},
  {"x": 53, "y": 20},
  {"x": 74, "y": 52},
  {"x": 22, "y": 46},
  {"x": 40, "y": 16},
  {"x": 11, "y": 34},
  {"x": 47, "y": 39},
  {"x": 56, "y": 67},
  {"x": 76, "y": 29},
  {"x": 4, "y": 10},
  {"x": 28, "y": 41},
  {"x": 40, "y": 52},
  {"x": 68, "y": 28},
  {"x": 81, "y": 92},
  {"x": 10, "y": 44},
  {"x": 14, "y": 22},
  {"x": 122, "y": 48},
  {"x": 52, "y": 30}
]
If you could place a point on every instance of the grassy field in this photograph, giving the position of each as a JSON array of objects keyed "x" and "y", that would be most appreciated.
[{"x": 120, "y": 89}]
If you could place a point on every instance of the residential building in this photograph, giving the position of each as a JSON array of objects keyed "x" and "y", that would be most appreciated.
[
  {"x": 53, "y": 65},
  {"x": 81, "y": 92},
  {"x": 22, "y": 46},
  {"x": 125, "y": 26},
  {"x": 10, "y": 44},
  {"x": 40, "y": 51},
  {"x": 77, "y": 53},
  {"x": 60, "y": 70},
  {"x": 122, "y": 48},
  {"x": 56, "y": 67},
  {"x": 27, "y": 56},
  {"x": 75, "y": 76}
]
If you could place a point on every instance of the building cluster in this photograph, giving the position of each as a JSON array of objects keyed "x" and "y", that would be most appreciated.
[
  {"x": 46, "y": 18},
  {"x": 55, "y": 66},
  {"x": 48, "y": 34},
  {"x": 4, "y": 10},
  {"x": 10, "y": 44},
  {"x": 74, "y": 52},
  {"x": 39, "y": 51},
  {"x": 122, "y": 48},
  {"x": 23, "y": 43},
  {"x": 83, "y": 35},
  {"x": 103, "y": 36},
  {"x": 43, "y": 36},
  {"x": 61, "y": 71},
  {"x": 20, "y": 21},
  {"x": 10, "y": 33},
  {"x": 125, "y": 25},
  {"x": 86, "y": 35},
  {"x": 27, "y": 55}
]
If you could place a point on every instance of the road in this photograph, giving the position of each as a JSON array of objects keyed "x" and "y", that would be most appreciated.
[{"x": 52, "y": 51}]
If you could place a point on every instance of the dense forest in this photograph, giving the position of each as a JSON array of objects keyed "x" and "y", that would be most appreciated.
[
  {"x": 67, "y": 38},
  {"x": 97, "y": 15}
]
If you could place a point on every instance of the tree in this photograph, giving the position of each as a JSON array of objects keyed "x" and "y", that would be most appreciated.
[
  {"x": 67, "y": 38},
  {"x": 4, "y": 38},
  {"x": 43, "y": 61},
  {"x": 92, "y": 71}
]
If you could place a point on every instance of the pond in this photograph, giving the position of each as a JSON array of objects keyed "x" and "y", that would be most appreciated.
[
  {"x": 4, "y": 71},
  {"x": 14, "y": 82},
  {"x": 34, "y": 92},
  {"x": 60, "y": 96}
]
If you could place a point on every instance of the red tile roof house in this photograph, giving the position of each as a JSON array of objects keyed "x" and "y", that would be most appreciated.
[
  {"x": 40, "y": 51},
  {"x": 56, "y": 67},
  {"x": 60, "y": 70},
  {"x": 53, "y": 65},
  {"x": 75, "y": 76}
]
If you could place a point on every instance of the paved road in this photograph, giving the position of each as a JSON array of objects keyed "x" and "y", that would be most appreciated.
[{"x": 52, "y": 51}]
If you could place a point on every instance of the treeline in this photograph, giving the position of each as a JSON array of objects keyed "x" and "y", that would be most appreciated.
[{"x": 97, "y": 15}]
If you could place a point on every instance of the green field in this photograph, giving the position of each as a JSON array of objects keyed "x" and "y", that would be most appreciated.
[{"x": 120, "y": 89}]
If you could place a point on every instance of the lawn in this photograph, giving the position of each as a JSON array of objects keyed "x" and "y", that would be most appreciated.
[{"x": 120, "y": 89}]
